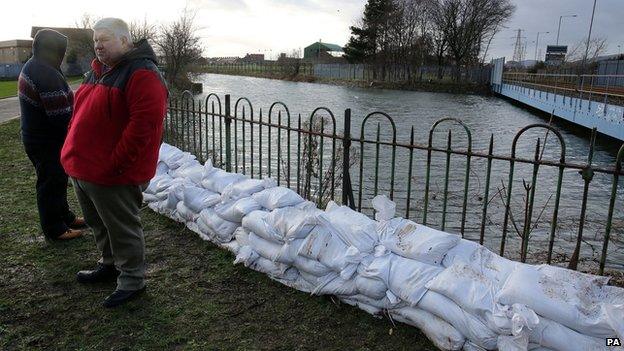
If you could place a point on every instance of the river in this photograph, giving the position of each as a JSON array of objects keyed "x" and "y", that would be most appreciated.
[{"x": 484, "y": 116}]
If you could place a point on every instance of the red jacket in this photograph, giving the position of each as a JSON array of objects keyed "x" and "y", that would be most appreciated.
[{"x": 115, "y": 132}]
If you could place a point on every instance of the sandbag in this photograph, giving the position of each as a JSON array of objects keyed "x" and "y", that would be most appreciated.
[
  {"x": 405, "y": 278},
  {"x": 218, "y": 179},
  {"x": 327, "y": 249},
  {"x": 263, "y": 247},
  {"x": 235, "y": 210},
  {"x": 191, "y": 171},
  {"x": 161, "y": 168},
  {"x": 442, "y": 334},
  {"x": 370, "y": 309},
  {"x": 288, "y": 252},
  {"x": 277, "y": 197},
  {"x": 176, "y": 194},
  {"x": 571, "y": 298},
  {"x": 149, "y": 198},
  {"x": 184, "y": 213},
  {"x": 331, "y": 284},
  {"x": 231, "y": 246},
  {"x": 464, "y": 252},
  {"x": 383, "y": 304},
  {"x": 158, "y": 184},
  {"x": 441, "y": 306},
  {"x": 311, "y": 267},
  {"x": 469, "y": 346},
  {"x": 215, "y": 226},
  {"x": 353, "y": 228},
  {"x": 241, "y": 235},
  {"x": 198, "y": 199},
  {"x": 373, "y": 288},
  {"x": 470, "y": 289},
  {"x": 384, "y": 208},
  {"x": 174, "y": 157},
  {"x": 411, "y": 240},
  {"x": 297, "y": 284},
  {"x": 251, "y": 259},
  {"x": 516, "y": 320},
  {"x": 513, "y": 342},
  {"x": 373, "y": 275},
  {"x": 292, "y": 223},
  {"x": 408, "y": 279},
  {"x": 246, "y": 188},
  {"x": 555, "y": 336},
  {"x": 254, "y": 222}
]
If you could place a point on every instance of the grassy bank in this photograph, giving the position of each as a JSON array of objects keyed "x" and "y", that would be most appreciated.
[
  {"x": 443, "y": 86},
  {"x": 196, "y": 298},
  {"x": 8, "y": 88}
]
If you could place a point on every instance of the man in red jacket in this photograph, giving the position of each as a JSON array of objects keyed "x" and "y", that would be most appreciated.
[{"x": 111, "y": 151}]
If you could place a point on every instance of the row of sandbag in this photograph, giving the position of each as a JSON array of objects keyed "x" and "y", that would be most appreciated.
[{"x": 452, "y": 289}]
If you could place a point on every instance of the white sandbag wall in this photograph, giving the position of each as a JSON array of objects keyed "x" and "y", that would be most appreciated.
[{"x": 461, "y": 295}]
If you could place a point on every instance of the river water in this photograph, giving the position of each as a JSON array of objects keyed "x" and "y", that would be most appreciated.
[{"x": 484, "y": 116}]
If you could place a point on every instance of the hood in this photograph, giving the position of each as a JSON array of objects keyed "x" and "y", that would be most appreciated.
[
  {"x": 142, "y": 50},
  {"x": 49, "y": 46}
]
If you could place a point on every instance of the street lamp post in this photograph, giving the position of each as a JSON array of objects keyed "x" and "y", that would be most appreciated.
[
  {"x": 537, "y": 42},
  {"x": 559, "y": 29},
  {"x": 591, "y": 24}
]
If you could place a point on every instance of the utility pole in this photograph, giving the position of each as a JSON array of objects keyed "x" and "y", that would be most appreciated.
[
  {"x": 537, "y": 42},
  {"x": 591, "y": 24}
]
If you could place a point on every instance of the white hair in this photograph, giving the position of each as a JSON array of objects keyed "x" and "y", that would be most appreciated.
[{"x": 117, "y": 26}]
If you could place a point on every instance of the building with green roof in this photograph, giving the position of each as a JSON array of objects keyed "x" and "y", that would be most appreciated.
[{"x": 320, "y": 50}]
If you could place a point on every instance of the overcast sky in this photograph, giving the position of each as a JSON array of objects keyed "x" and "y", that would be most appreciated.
[{"x": 237, "y": 27}]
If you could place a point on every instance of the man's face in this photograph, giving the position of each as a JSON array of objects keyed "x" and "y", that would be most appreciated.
[{"x": 108, "y": 47}]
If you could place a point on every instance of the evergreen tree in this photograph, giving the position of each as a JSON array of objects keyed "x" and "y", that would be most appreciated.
[{"x": 365, "y": 41}]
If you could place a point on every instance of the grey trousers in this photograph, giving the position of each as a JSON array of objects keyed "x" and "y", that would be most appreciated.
[{"x": 112, "y": 212}]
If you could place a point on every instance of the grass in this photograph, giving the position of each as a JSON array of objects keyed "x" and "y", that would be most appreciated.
[
  {"x": 8, "y": 88},
  {"x": 196, "y": 298}
]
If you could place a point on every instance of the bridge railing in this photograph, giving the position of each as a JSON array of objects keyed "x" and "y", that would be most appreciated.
[
  {"x": 433, "y": 181},
  {"x": 608, "y": 89}
]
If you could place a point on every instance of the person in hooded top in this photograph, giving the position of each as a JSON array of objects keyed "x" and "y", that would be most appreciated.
[
  {"x": 46, "y": 108},
  {"x": 111, "y": 153}
]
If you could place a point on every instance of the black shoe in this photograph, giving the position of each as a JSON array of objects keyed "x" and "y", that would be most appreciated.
[
  {"x": 102, "y": 274},
  {"x": 119, "y": 297}
]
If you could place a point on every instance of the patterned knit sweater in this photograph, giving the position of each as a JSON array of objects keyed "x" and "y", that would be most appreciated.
[{"x": 46, "y": 103}]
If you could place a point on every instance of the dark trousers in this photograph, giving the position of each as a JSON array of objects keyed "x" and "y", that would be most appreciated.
[
  {"x": 112, "y": 212},
  {"x": 54, "y": 213}
]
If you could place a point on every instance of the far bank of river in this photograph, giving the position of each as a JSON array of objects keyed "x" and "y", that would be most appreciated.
[{"x": 435, "y": 86}]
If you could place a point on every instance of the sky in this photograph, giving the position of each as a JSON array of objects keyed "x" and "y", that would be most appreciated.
[{"x": 237, "y": 27}]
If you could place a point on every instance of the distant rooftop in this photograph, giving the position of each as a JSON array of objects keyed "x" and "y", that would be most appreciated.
[{"x": 15, "y": 43}]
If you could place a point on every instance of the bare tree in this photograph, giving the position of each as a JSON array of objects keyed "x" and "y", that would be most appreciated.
[
  {"x": 142, "y": 30},
  {"x": 290, "y": 63},
  {"x": 467, "y": 23},
  {"x": 597, "y": 46},
  {"x": 86, "y": 21},
  {"x": 179, "y": 46}
]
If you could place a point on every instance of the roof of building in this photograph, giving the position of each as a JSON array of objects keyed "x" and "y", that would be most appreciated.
[
  {"x": 15, "y": 43},
  {"x": 330, "y": 47},
  {"x": 70, "y": 32}
]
